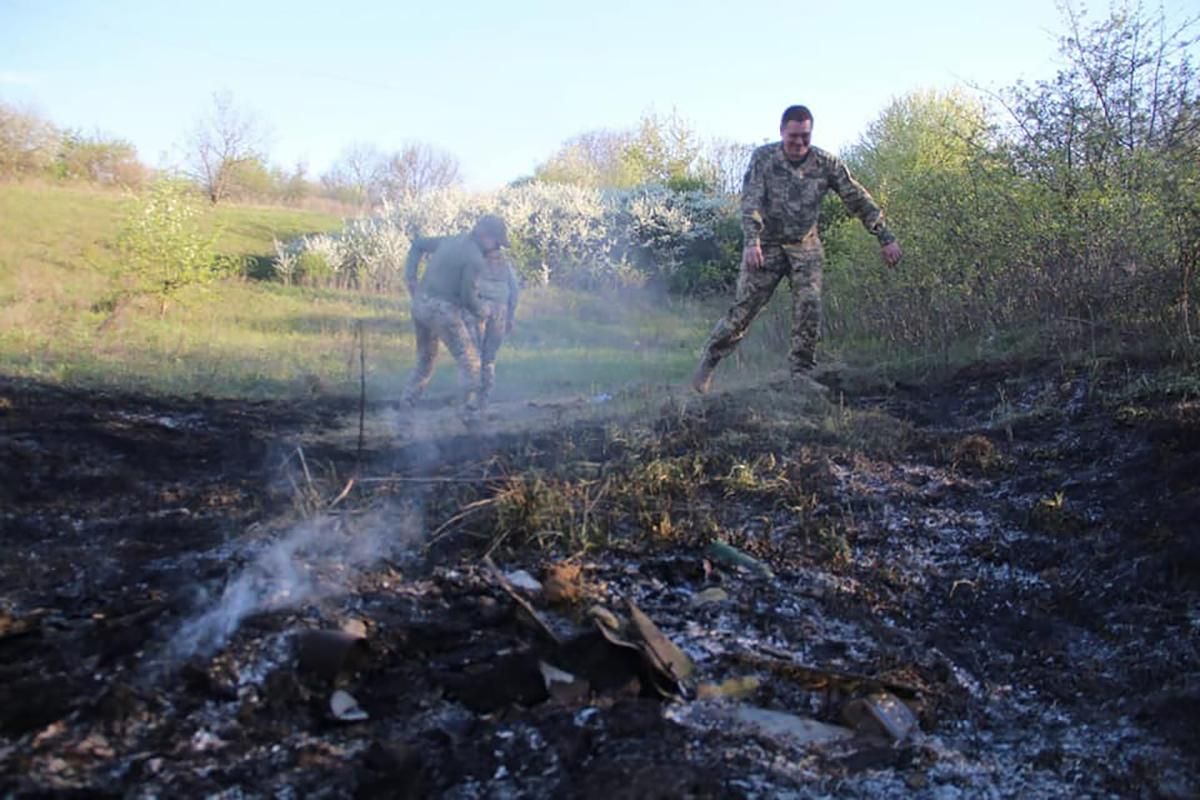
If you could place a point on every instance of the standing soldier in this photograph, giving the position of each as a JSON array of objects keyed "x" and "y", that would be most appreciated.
[
  {"x": 781, "y": 200},
  {"x": 498, "y": 294},
  {"x": 446, "y": 305}
]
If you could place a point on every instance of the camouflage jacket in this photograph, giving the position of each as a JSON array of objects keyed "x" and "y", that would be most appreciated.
[
  {"x": 455, "y": 264},
  {"x": 498, "y": 283},
  {"x": 781, "y": 200}
]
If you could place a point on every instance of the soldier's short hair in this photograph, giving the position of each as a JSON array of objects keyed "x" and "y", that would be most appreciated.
[{"x": 795, "y": 114}]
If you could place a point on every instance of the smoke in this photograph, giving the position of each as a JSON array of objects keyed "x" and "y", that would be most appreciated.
[
  {"x": 573, "y": 351},
  {"x": 317, "y": 559},
  {"x": 577, "y": 347}
]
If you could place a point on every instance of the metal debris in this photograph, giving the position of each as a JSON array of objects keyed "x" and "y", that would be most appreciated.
[
  {"x": 355, "y": 627},
  {"x": 782, "y": 725},
  {"x": 880, "y": 713},
  {"x": 523, "y": 580},
  {"x": 664, "y": 654},
  {"x": 779, "y": 727},
  {"x": 344, "y": 707},
  {"x": 552, "y": 674},
  {"x": 530, "y": 615},
  {"x": 563, "y": 686},
  {"x": 710, "y": 596},
  {"x": 720, "y": 551},
  {"x": 604, "y": 618}
]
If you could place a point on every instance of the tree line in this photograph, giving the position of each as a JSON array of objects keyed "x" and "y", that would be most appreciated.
[
  {"x": 225, "y": 156},
  {"x": 1066, "y": 208}
]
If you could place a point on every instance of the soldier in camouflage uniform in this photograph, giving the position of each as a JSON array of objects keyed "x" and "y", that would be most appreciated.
[
  {"x": 781, "y": 199},
  {"x": 498, "y": 294},
  {"x": 446, "y": 305}
]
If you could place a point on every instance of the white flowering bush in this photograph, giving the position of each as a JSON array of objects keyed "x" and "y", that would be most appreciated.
[
  {"x": 562, "y": 234},
  {"x": 374, "y": 251},
  {"x": 684, "y": 240},
  {"x": 441, "y": 212},
  {"x": 286, "y": 262},
  {"x": 322, "y": 260}
]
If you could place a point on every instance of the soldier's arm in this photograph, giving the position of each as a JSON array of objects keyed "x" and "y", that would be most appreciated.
[
  {"x": 420, "y": 248},
  {"x": 754, "y": 197},
  {"x": 514, "y": 294},
  {"x": 859, "y": 202}
]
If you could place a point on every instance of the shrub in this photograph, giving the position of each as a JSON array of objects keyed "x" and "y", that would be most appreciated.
[
  {"x": 163, "y": 247},
  {"x": 563, "y": 234},
  {"x": 312, "y": 269},
  {"x": 99, "y": 160},
  {"x": 27, "y": 142}
]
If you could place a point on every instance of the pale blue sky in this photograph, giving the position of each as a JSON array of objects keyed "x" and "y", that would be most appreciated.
[{"x": 500, "y": 85}]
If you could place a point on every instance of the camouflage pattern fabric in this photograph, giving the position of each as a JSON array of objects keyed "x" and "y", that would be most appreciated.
[
  {"x": 781, "y": 199},
  {"x": 455, "y": 263},
  {"x": 491, "y": 329},
  {"x": 781, "y": 203},
  {"x": 441, "y": 321},
  {"x": 802, "y": 264},
  {"x": 498, "y": 290}
]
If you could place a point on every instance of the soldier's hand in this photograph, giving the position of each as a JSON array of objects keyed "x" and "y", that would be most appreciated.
[
  {"x": 752, "y": 256},
  {"x": 891, "y": 254}
]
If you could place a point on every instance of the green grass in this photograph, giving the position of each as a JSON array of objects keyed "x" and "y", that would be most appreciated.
[
  {"x": 58, "y": 259},
  {"x": 252, "y": 339},
  {"x": 75, "y": 228},
  {"x": 251, "y": 230},
  {"x": 247, "y": 338}
]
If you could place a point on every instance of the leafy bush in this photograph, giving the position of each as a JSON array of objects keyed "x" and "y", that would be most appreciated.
[
  {"x": 312, "y": 269},
  {"x": 163, "y": 246},
  {"x": 1078, "y": 218},
  {"x": 31, "y": 145},
  {"x": 96, "y": 159},
  {"x": 27, "y": 142}
]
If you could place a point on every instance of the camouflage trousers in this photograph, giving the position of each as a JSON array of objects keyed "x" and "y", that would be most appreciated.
[
  {"x": 491, "y": 329},
  {"x": 802, "y": 264},
  {"x": 440, "y": 321}
]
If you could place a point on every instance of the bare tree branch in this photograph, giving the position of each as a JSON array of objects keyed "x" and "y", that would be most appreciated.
[{"x": 222, "y": 141}]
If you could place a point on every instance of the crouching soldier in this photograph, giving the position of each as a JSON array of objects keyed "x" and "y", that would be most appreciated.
[{"x": 446, "y": 305}]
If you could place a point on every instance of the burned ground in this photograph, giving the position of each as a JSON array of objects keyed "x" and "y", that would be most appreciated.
[{"x": 1012, "y": 551}]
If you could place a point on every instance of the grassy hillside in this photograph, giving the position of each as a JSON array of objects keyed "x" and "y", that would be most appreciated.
[{"x": 249, "y": 338}]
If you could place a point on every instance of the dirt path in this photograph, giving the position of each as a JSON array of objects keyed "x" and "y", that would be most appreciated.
[{"x": 1013, "y": 553}]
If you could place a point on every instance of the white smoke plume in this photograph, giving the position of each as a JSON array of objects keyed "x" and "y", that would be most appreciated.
[{"x": 317, "y": 559}]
